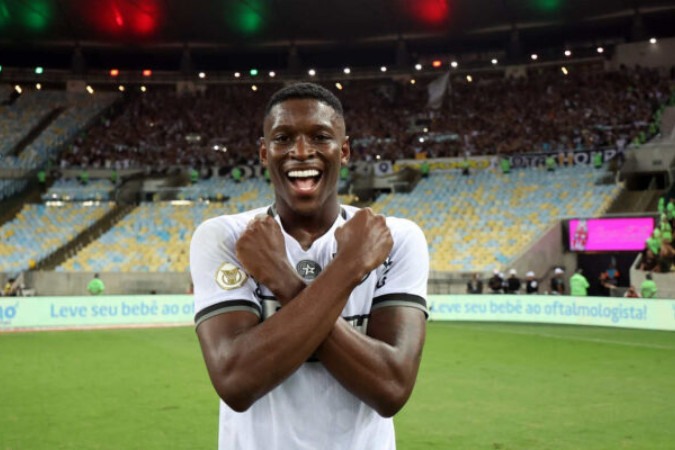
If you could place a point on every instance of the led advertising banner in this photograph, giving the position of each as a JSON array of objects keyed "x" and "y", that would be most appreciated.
[
  {"x": 607, "y": 235},
  {"x": 50, "y": 313},
  {"x": 559, "y": 309}
]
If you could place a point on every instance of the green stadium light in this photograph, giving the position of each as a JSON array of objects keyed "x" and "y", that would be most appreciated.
[
  {"x": 547, "y": 5},
  {"x": 36, "y": 14},
  {"x": 4, "y": 13},
  {"x": 39, "y": 70},
  {"x": 248, "y": 17},
  {"x": 254, "y": 72}
]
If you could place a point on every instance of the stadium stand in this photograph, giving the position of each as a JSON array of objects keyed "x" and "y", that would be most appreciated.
[
  {"x": 547, "y": 111},
  {"x": 39, "y": 230},
  {"x": 482, "y": 222},
  {"x": 78, "y": 110},
  {"x": 160, "y": 232}
]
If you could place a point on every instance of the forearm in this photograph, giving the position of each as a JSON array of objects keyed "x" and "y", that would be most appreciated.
[{"x": 381, "y": 374}]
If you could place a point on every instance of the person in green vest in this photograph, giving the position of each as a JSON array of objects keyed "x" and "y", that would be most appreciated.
[
  {"x": 114, "y": 176},
  {"x": 194, "y": 175},
  {"x": 579, "y": 284},
  {"x": 597, "y": 160},
  {"x": 505, "y": 164},
  {"x": 42, "y": 179},
  {"x": 464, "y": 166},
  {"x": 661, "y": 208},
  {"x": 550, "y": 163},
  {"x": 670, "y": 210},
  {"x": 653, "y": 129},
  {"x": 654, "y": 242},
  {"x": 648, "y": 287},
  {"x": 96, "y": 286},
  {"x": 425, "y": 169},
  {"x": 237, "y": 174},
  {"x": 84, "y": 177},
  {"x": 344, "y": 173}
]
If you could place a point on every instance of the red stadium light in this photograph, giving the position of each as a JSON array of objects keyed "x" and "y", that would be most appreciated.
[
  {"x": 147, "y": 73},
  {"x": 437, "y": 63},
  {"x": 114, "y": 72},
  {"x": 432, "y": 12},
  {"x": 131, "y": 18}
]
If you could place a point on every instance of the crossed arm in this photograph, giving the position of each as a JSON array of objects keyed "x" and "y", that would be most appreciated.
[{"x": 246, "y": 358}]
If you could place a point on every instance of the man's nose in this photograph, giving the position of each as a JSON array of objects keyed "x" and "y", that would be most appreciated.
[{"x": 303, "y": 148}]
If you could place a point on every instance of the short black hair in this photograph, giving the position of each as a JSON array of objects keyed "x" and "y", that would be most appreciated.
[{"x": 305, "y": 91}]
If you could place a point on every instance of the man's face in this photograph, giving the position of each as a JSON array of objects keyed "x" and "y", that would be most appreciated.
[{"x": 304, "y": 146}]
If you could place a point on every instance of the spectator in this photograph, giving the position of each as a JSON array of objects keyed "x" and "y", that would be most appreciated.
[
  {"x": 496, "y": 282},
  {"x": 513, "y": 283},
  {"x": 505, "y": 164},
  {"x": 96, "y": 286},
  {"x": 558, "y": 282},
  {"x": 464, "y": 165},
  {"x": 579, "y": 284},
  {"x": 649, "y": 260},
  {"x": 631, "y": 292},
  {"x": 475, "y": 285},
  {"x": 531, "y": 284},
  {"x": 10, "y": 289},
  {"x": 609, "y": 279},
  {"x": 648, "y": 287}
]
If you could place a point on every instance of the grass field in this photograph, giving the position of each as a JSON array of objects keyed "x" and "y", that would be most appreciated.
[{"x": 481, "y": 386}]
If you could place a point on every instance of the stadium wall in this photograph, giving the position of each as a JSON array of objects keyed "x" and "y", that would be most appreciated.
[
  {"x": 48, "y": 283},
  {"x": 659, "y": 55}
]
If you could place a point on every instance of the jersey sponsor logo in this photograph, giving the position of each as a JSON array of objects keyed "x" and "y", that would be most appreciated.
[
  {"x": 308, "y": 269},
  {"x": 230, "y": 276}
]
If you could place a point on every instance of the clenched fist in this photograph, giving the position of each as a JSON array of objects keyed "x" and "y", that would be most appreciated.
[
  {"x": 262, "y": 251},
  {"x": 364, "y": 241}
]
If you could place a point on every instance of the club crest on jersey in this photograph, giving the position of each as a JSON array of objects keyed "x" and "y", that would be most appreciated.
[
  {"x": 308, "y": 269},
  {"x": 230, "y": 276}
]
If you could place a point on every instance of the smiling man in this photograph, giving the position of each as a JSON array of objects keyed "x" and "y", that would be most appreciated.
[{"x": 310, "y": 315}]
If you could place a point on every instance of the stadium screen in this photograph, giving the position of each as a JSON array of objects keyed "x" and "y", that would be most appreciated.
[{"x": 616, "y": 234}]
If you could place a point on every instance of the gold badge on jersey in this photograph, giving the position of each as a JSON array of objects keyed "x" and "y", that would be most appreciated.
[{"x": 230, "y": 276}]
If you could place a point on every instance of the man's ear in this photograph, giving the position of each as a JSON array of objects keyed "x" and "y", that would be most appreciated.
[
  {"x": 345, "y": 152},
  {"x": 262, "y": 152}
]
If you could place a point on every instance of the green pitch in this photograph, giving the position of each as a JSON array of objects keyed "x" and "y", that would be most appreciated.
[{"x": 481, "y": 386}]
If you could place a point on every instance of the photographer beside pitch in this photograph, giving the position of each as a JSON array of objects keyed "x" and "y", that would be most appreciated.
[{"x": 311, "y": 316}]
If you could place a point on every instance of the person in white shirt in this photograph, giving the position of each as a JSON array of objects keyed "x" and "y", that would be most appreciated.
[{"x": 311, "y": 316}]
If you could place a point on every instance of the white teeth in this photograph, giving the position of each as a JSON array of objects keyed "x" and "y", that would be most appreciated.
[{"x": 303, "y": 173}]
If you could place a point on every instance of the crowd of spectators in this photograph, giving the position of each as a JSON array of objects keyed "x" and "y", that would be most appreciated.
[
  {"x": 659, "y": 253},
  {"x": 547, "y": 111}
]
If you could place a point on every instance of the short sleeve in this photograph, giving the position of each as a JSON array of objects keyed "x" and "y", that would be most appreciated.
[
  {"x": 220, "y": 283},
  {"x": 402, "y": 280}
]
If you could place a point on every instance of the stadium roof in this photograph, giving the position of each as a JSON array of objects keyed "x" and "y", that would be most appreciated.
[{"x": 32, "y": 31}]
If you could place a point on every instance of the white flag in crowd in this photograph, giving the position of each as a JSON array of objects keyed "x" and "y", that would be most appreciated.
[{"x": 437, "y": 90}]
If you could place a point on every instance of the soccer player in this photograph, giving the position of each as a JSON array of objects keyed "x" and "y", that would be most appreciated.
[{"x": 311, "y": 316}]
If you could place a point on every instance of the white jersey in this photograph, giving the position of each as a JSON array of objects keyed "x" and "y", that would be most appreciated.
[{"x": 310, "y": 409}]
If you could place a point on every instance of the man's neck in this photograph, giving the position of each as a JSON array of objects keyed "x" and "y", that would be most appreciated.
[{"x": 307, "y": 229}]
